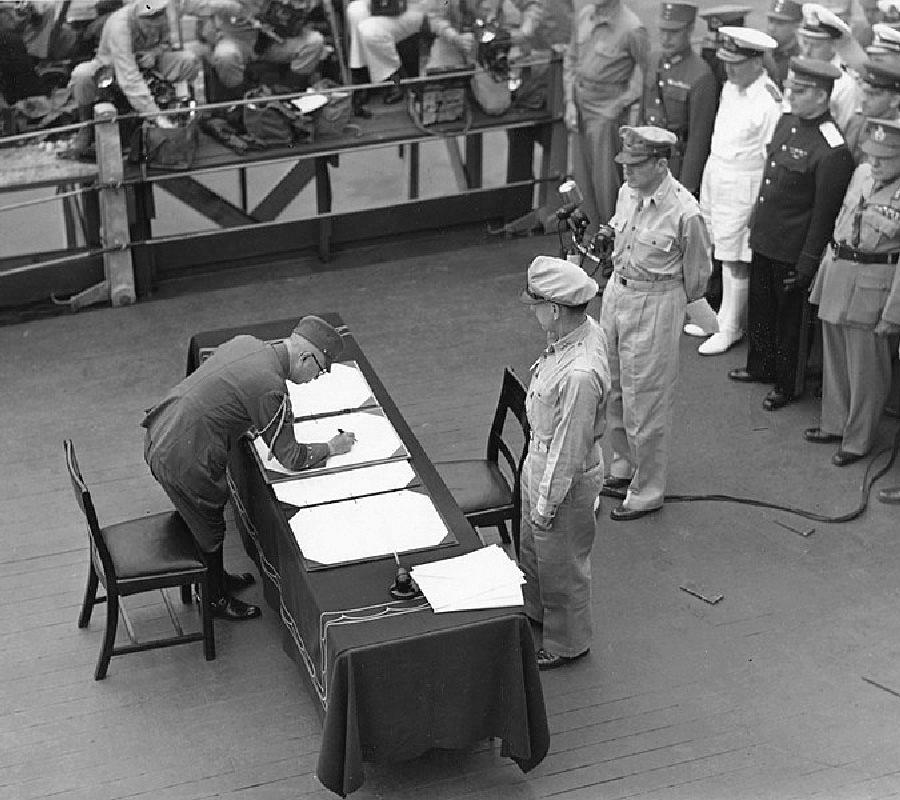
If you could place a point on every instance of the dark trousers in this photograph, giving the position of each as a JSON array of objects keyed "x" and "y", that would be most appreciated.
[{"x": 774, "y": 322}]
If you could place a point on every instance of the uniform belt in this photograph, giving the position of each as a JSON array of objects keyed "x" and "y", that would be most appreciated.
[
  {"x": 650, "y": 277},
  {"x": 847, "y": 253}
]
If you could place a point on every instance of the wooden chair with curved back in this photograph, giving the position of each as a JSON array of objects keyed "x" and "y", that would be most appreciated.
[
  {"x": 139, "y": 555},
  {"x": 486, "y": 495}
]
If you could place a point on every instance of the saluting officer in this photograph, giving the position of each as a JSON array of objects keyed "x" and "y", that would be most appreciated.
[
  {"x": 808, "y": 168},
  {"x": 716, "y": 18},
  {"x": 858, "y": 293},
  {"x": 880, "y": 100},
  {"x": 782, "y": 21},
  {"x": 680, "y": 94}
]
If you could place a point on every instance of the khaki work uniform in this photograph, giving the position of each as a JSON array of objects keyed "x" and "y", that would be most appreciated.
[{"x": 561, "y": 478}]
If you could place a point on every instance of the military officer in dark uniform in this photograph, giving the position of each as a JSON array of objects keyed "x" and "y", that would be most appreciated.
[
  {"x": 880, "y": 100},
  {"x": 719, "y": 17},
  {"x": 807, "y": 171},
  {"x": 782, "y": 20},
  {"x": 680, "y": 94}
]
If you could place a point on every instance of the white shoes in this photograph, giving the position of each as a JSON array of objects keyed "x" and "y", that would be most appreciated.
[
  {"x": 718, "y": 343},
  {"x": 692, "y": 329}
]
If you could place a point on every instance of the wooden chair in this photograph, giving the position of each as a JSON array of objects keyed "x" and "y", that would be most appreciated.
[
  {"x": 139, "y": 555},
  {"x": 486, "y": 496}
]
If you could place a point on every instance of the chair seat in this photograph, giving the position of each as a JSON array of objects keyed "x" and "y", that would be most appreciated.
[
  {"x": 476, "y": 485},
  {"x": 154, "y": 545}
]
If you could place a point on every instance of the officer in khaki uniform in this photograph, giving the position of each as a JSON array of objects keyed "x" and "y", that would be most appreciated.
[
  {"x": 857, "y": 290},
  {"x": 680, "y": 94},
  {"x": 563, "y": 471},
  {"x": 661, "y": 262},
  {"x": 880, "y": 100}
]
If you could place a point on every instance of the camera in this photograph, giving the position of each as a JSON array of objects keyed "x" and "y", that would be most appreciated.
[{"x": 598, "y": 249}]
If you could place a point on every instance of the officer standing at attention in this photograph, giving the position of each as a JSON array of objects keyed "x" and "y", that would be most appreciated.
[
  {"x": 880, "y": 100},
  {"x": 857, "y": 290},
  {"x": 603, "y": 76},
  {"x": 680, "y": 94},
  {"x": 563, "y": 470},
  {"x": 191, "y": 430},
  {"x": 782, "y": 21},
  {"x": 717, "y": 18},
  {"x": 807, "y": 172},
  {"x": 660, "y": 262}
]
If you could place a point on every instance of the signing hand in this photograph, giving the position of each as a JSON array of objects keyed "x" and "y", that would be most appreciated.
[{"x": 340, "y": 444}]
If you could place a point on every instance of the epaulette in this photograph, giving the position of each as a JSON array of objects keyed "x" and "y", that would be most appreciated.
[
  {"x": 831, "y": 133},
  {"x": 772, "y": 89}
]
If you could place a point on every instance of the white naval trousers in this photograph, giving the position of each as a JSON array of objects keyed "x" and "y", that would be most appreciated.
[{"x": 373, "y": 40}]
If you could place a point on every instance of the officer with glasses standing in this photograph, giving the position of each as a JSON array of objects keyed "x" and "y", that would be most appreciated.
[{"x": 241, "y": 387}]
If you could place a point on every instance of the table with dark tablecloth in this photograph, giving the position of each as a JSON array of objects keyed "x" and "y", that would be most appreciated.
[{"x": 392, "y": 678}]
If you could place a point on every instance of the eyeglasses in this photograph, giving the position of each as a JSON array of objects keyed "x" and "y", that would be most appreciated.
[{"x": 311, "y": 355}]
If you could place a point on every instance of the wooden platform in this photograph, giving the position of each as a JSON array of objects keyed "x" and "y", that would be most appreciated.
[{"x": 787, "y": 688}]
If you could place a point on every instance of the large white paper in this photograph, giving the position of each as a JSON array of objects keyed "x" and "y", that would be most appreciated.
[
  {"x": 367, "y": 527},
  {"x": 342, "y": 389},
  {"x": 485, "y": 578},
  {"x": 350, "y": 483},
  {"x": 376, "y": 440}
]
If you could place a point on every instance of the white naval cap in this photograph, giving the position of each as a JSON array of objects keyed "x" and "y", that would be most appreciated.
[
  {"x": 884, "y": 39},
  {"x": 820, "y": 23},
  {"x": 739, "y": 44}
]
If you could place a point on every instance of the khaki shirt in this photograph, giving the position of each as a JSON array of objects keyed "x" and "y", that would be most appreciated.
[
  {"x": 566, "y": 407},
  {"x": 662, "y": 236}
]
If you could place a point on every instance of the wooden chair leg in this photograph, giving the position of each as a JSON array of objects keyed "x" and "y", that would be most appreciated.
[
  {"x": 504, "y": 532},
  {"x": 90, "y": 592},
  {"x": 187, "y": 594},
  {"x": 209, "y": 640},
  {"x": 109, "y": 635}
]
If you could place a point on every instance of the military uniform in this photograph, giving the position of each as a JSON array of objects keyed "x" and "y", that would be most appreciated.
[
  {"x": 777, "y": 62},
  {"x": 858, "y": 286},
  {"x": 680, "y": 95},
  {"x": 716, "y": 18},
  {"x": 563, "y": 470},
  {"x": 807, "y": 172},
  {"x": 882, "y": 76}
]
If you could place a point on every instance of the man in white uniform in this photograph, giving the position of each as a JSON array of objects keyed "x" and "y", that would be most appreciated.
[{"x": 748, "y": 112}]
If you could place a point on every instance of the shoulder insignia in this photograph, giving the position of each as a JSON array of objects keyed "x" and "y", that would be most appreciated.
[
  {"x": 831, "y": 134},
  {"x": 772, "y": 89}
]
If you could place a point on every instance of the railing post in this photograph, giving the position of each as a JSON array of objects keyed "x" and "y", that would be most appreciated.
[{"x": 117, "y": 264}]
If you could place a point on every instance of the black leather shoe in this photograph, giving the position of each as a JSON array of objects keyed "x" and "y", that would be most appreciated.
[
  {"x": 547, "y": 660},
  {"x": 235, "y": 610},
  {"x": 623, "y": 514},
  {"x": 891, "y": 495},
  {"x": 843, "y": 458},
  {"x": 612, "y": 482},
  {"x": 237, "y": 583},
  {"x": 818, "y": 436},
  {"x": 775, "y": 399},
  {"x": 741, "y": 375},
  {"x": 396, "y": 93}
]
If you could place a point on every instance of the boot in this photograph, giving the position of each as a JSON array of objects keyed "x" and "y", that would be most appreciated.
[
  {"x": 360, "y": 96},
  {"x": 396, "y": 93},
  {"x": 735, "y": 288},
  {"x": 224, "y": 606}
]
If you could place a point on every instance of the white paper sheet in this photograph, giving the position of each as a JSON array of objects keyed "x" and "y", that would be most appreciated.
[
  {"x": 485, "y": 578},
  {"x": 342, "y": 389},
  {"x": 367, "y": 527},
  {"x": 376, "y": 439},
  {"x": 341, "y": 485}
]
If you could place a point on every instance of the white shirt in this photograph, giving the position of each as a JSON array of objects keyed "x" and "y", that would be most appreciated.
[
  {"x": 745, "y": 120},
  {"x": 845, "y": 96}
]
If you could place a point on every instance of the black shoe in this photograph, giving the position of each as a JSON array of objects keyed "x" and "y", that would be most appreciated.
[
  {"x": 775, "y": 399},
  {"x": 237, "y": 583},
  {"x": 741, "y": 375},
  {"x": 614, "y": 483},
  {"x": 623, "y": 514},
  {"x": 818, "y": 436},
  {"x": 396, "y": 93},
  {"x": 843, "y": 458},
  {"x": 235, "y": 610},
  {"x": 891, "y": 496},
  {"x": 547, "y": 660}
]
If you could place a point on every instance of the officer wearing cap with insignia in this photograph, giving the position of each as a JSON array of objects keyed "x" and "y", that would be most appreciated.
[
  {"x": 880, "y": 100},
  {"x": 603, "y": 77},
  {"x": 782, "y": 21},
  {"x": 808, "y": 169},
  {"x": 857, "y": 290},
  {"x": 661, "y": 262},
  {"x": 680, "y": 94},
  {"x": 885, "y": 46},
  {"x": 717, "y": 18},
  {"x": 749, "y": 109},
  {"x": 240, "y": 387},
  {"x": 563, "y": 470},
  {"x": 819, "y": 35}
]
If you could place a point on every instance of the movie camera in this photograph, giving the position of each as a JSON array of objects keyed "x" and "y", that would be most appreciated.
[{"x": 593, "y": 255}]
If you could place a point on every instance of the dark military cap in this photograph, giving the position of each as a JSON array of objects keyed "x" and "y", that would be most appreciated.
[
  {"x": 674, "y": 16},
  {"x": 881, "y": 76},
  {"x": 643, "y": 142},
  {"x": 882, "y": 138},
  {"x": 811, "y": 72},
  {"x": 320, "y": 334},
  {"x": 785, "y": 10},
  {"x": 717, "y": 16}
]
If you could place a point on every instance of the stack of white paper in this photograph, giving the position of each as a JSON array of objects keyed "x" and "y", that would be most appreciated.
[
  {"x": 343, "y": 388},
  {"x": 485, "y": 578},
  {"x": 367, "y": 527},
  {"x": 327, "y": 488}
]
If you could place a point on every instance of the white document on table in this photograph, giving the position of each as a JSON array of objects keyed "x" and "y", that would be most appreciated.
[
  {"x": 366, "y": 527},
  {"x": 485, "y": 578},
  {"x": 376, "y": 440},
  {"x": 349, "y": 483},
  {"x": 342, "y": 389}
]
